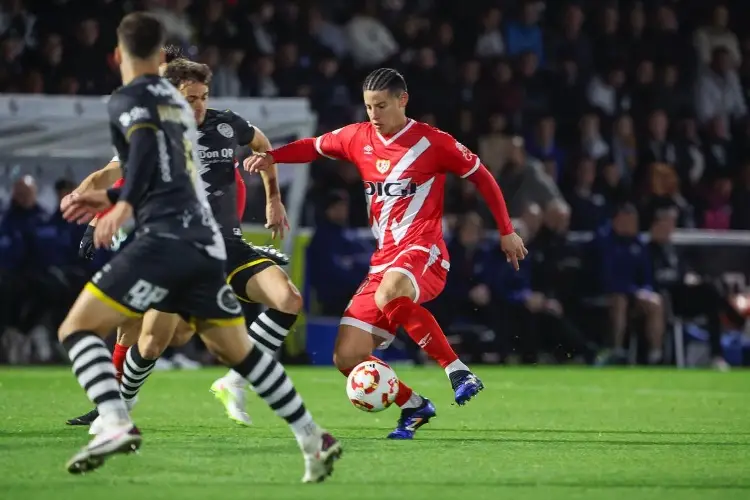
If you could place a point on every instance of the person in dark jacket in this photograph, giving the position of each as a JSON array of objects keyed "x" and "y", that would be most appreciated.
[
  {"x": 337, "y": 259},
  {"x": 688, "y": 295},
  {"x": 468, "y": 295},
  {"x": 531, "y": 296},
  {"x": 624, "y": 268}
]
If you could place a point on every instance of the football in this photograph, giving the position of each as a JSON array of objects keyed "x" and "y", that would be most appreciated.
[{"x": 372, "y": 386}]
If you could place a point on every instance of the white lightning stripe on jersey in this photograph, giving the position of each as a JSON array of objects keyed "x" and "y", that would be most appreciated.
[
  {"x": 395, "y": 176},
  {"x": 400, "y": 228}
]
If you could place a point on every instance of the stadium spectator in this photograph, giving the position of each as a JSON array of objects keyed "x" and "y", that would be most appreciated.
[
  {"x": 688, "y": 296},
  {"x": 338, "y": 260},
  {"x": 525, "y": 35},
  {"x": 371, "y": 42},
  {"x": 589, "y": 208},
  {"x": 663, "y": 191},
  {"x": 524, "y": 180},
  {"x": 531, "y": 309},
  {"x": 717, "y": 35},
  {"x": 626, "y": 277},
  {"x": 469, "y": 294},
  {"x": 490, "y": 42},
  {"x": 718, "y": 93}
]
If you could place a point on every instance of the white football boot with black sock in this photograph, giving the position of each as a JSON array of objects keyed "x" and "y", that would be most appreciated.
[
  {"x": 268, "y": 331},
  {"x": 92, "y": 366},
  {"x": 270, "y": 381}
]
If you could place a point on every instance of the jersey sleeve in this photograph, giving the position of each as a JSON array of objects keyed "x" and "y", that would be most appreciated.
[
  {"x": 455, "y": 157},
  {"x": 337, "y": 144},
  {"x": 243, "y": 130}
]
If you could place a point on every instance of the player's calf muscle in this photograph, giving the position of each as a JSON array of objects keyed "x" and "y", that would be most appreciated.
[
  {"x": 157, "y": 333},
  {"x": 272, "y": 287},
  {"x": 352, "y": 347}
]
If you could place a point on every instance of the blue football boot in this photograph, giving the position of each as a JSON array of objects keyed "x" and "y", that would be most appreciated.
[
  {"x": 466, "y": 385},
  {"x": 412, "y": 419}
]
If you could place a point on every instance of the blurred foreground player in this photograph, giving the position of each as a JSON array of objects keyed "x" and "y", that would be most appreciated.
[
  {"x": 175, "y": 264},
  {"x": 111, "y": 175},
  {"x": 403, "y": 164},
  {"x": 253, "y": 272}
]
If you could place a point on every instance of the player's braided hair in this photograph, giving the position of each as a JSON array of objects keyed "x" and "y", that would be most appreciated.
[
  {"x": 385, "y": 79},
  {"x": 181, "y": 71}
]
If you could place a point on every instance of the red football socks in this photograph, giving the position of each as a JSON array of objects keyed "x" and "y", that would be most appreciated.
[
  {"x": 118, "y": 358},
  {"x": 404, "y": 391},
  {"x": 422, "y": 327}
]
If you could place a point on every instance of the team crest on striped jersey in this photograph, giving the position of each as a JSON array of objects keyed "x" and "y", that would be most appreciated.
[{"x": 383, "y": 166}]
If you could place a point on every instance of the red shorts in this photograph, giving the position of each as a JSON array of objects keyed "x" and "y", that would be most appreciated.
[{"x": 425, "y": 268}]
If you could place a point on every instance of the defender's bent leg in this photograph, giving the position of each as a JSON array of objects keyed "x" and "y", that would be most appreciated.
[
  {"x": 269, "y": 379},
  {"x": 156, "y": 334},
  {"x": 397, "y": 297},
  {"x": 157, "y": 330},
  {"x": 271, "y": 287},
  {"x": 353, "y": 346}
]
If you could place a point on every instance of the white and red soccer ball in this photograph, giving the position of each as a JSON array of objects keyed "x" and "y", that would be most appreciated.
[{"x": 372, "y": 386}]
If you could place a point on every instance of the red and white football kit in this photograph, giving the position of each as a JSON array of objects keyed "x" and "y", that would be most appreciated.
[{"x": 404, "y": 180}]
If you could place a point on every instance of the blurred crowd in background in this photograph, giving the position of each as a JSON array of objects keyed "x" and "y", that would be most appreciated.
[{"x": 610, "y": 117}]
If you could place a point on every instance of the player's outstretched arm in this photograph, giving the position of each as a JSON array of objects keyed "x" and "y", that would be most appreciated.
[
  {"x": 334, "y": 145},
  {"x": 301, "y": 151},
  {"x": 101, "y": 179}
]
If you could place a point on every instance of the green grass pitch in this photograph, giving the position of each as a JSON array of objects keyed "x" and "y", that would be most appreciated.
[{"x": 545, "y": 433}]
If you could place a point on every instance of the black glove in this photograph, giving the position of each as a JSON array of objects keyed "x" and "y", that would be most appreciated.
[{"x": 87, "y": 250}]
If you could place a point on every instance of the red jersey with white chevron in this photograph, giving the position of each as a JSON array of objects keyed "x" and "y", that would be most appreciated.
[{"x": 404, "y": 180}]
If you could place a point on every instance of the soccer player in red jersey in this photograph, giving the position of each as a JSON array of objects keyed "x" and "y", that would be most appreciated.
[{"x": 403, "y": 164}]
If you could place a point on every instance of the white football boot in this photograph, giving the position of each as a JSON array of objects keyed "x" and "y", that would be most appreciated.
[
  {"x": 113, "y": 438},
  {"x": 321, "y": 450},
  {"x": 98, "y": 425},
  {"x": 233, "y": 395}
]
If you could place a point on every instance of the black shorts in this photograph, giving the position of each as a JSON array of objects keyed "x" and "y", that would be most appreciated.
[
  {"x": 168, "y": 275},
  {"x": 243, "y": 262}
]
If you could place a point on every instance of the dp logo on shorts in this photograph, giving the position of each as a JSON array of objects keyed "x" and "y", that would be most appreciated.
[
  {"x": 143, "y": 295},
  {"x": 227, "y": 302}
]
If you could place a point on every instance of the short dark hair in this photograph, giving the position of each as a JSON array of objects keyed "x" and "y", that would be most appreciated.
[
  {"x": 180, "y": 71},
  {"x": 141, "y": 34},
  {"x": 385, "y": 79},
  {"x": 172, "y": 52}
]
